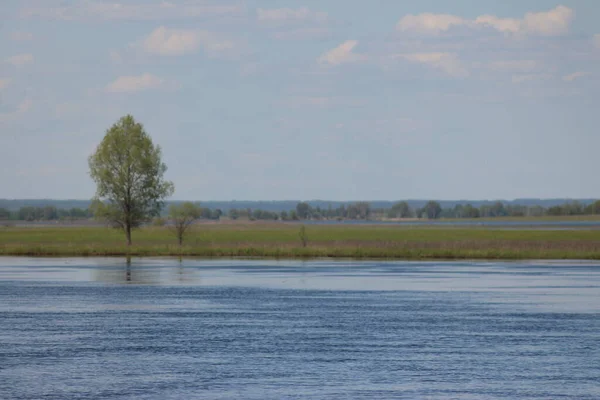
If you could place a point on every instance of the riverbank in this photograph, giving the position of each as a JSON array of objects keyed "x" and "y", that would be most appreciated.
[{"x": 276, "y": 240}]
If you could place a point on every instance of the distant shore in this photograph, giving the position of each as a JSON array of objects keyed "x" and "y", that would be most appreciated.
[
  {"x": 281, "y": 240},
  {"x": 547, "y": 220}
]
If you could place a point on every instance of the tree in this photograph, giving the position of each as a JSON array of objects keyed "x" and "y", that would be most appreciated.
[
  {"x": 470, "y": 212},
  {"x": 593, "y": 208},
  {"x": 364, "y": 209},
  {"x": 432, "y": 209},
  {"x": 128, "y": 171},
  {"x": 50, "y": 213},
  {"x": 205, "y": 213},
  {"x": 4, "y": 213},
  {"x": 400, "y": 210},
  {"x": 498, "y": 210},
  {"x": 303, "y": 210},
  {"x": 182, "y": 217},
  {"x": 234, "y": 214},
  {"x": 216, "y": 214},
  {"x": 29, "y": 214}
]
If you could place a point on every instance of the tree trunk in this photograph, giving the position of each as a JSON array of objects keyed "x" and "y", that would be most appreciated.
[
  {"x": 180, "y": 237},
  {"x": 128, "y": 234}
]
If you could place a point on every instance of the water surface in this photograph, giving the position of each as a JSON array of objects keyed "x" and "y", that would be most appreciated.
[{"x": 170, "y": 329}]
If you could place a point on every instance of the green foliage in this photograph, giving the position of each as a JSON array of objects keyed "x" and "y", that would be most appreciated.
[
  {"x": 593, "y": 208},
  {"x": 360, "y": 210},
  {"x": 234, "y": 214},
  {"x": 4, "y": 214},
  {"x": 303, "y": 210},
  {"x": 432, "y": 210},
  {"x": 265, "y": 215},
  {"x": 400, "y": 210},
  {"x": 216, "y": 214},
  {"x": 182, "y": 216},
  {"x": 128, "y": 172}
]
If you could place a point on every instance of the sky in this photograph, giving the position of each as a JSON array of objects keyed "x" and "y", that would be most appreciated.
[{"x": 307, "y": 99}]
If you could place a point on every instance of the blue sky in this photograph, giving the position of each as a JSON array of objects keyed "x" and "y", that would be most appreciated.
[{"x": 339, "y": 100}]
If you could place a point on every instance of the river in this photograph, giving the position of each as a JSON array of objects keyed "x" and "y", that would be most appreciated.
[{"x": 103, "y": 328}]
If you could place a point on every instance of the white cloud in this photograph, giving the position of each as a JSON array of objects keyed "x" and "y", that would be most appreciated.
[
  {"x": 20, "y": 59},
  {"x": 447, "y": 62},
  {"x": 175, "y": 42},
  {"x": 505, "y": 25},
  {"x": 574, "y": 76},
  {"x": 546, "y": 23},
  {"x": 129, "y": 84},
  {"x": 290, "y": 15},
  {"x": 83, "y": 10},
  {"x": 429, "y": 23},
  {"x": 171, "y": 42},
  {"x": 341, "y": 54},
  {"x": 549, "y": 23},
  {"x": 596, "y": 40},
  {"x": 4, "y": 83}
]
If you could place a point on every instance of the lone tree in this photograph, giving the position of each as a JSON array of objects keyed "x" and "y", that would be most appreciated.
[
  {"x": 128, "y": 172},
  {"x": 182, "y": 217}
]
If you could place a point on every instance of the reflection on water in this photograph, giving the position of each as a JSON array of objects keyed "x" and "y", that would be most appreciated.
[
  {"x": 139, "y": 273},
  {"x": 188, "y": 329}
]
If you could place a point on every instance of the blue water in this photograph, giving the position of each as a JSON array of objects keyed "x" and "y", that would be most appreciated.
[{"x": 169, "y": 329}]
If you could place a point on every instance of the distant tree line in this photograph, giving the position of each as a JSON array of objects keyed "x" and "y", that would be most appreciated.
[
  {"x": 355, "y": 211},
  {"x": 433, "y": 210},
  {"x": 402, "y": 210},
  {"x": 48, "y": 213}
]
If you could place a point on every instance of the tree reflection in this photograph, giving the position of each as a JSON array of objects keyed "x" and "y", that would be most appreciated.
[
  {"x": 185, "y": 275},
  {"x": 128, "y": 269},
  {"x": 131, "y": 271}
]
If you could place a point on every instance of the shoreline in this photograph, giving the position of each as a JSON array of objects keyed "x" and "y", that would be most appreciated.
[{"x": 404, "y": 254}]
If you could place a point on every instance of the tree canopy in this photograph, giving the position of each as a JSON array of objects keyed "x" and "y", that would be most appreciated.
[
  {"x": 182, "y": 216},
  {"x": 128, "y": 171}
]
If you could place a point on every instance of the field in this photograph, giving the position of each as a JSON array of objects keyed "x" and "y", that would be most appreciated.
[
  {"x": 545, "y": 218},
  {"x": 282, "y": 240}
]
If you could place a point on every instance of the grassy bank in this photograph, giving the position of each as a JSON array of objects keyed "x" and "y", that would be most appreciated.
[{"x": 281, "y": 240}]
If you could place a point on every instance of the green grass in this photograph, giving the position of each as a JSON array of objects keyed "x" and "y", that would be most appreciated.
[{"x": 282, "y": 241}]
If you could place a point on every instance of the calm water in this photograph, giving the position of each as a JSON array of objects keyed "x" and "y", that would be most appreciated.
[{"x": 165, "y": 329}]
